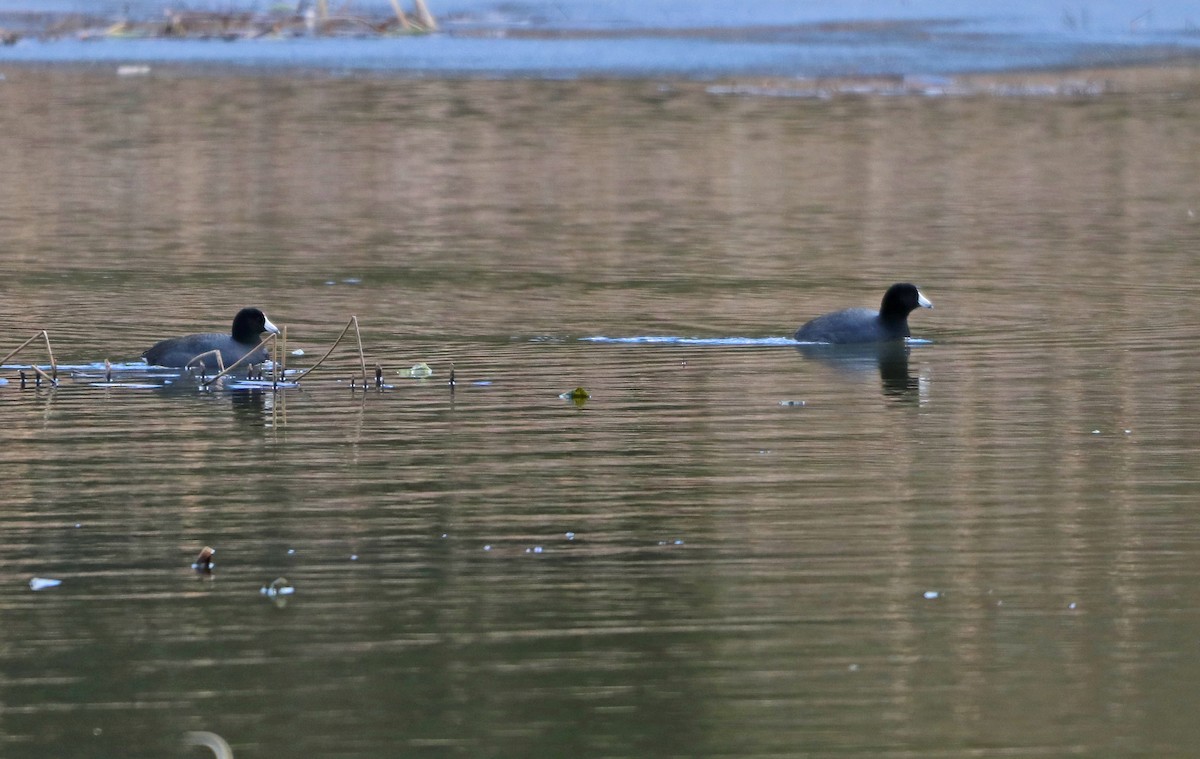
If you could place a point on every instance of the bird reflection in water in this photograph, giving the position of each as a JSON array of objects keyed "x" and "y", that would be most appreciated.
[{"x": 890, "y": 358}]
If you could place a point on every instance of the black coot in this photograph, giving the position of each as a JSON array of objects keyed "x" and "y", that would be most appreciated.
[
  {"x": 862, "y": 325},
  {"x": 248, "y": 325}
]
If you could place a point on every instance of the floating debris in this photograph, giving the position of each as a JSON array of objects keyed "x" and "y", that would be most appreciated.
[
  {"x": 298, "y": 352},
  {"x": 216, "y": 743},
  {"x": 41, "y": 583},
  {"x": 417, "y": 371},
  {"x": 278, "y": 587},
  {"x": 792, "y": 403},
  {"x": 204, "y": 562},
  {"x": 930, "y": 595}
]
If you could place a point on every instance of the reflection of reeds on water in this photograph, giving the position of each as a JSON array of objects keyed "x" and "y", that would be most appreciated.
[{"x": 53, "y": 376}]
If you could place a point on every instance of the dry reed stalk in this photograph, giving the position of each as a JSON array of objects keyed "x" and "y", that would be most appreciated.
[
  {"x": 424, "y": 17},
  {"x": 240, "y": 361},
  {"x": 361, "y": 356},
  {"x": 20, "y": 348},
  {"x": 42, "y": 373},
  {"x": 400, "y": 16},
  {"x": 50, "y": 351},
  {"x": 283, "y": 355},
  {"x": 202, "y": 356},
  {"x": 274, "y": 356}
]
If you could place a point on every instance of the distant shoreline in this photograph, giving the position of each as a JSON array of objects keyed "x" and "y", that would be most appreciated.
[{"x": 930, "y": 56}]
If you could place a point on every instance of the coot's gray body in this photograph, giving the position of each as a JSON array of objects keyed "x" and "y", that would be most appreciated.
[
  {"x": 248, "y": 325},
  {"x": 862, "y": 325}
]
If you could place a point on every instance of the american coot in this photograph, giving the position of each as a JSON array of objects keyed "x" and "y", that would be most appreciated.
[
  {"x": 247, "y": 326},
  {"x": 862, "y": 325}
]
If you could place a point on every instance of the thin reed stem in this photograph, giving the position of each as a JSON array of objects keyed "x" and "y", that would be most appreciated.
[
  {"x": 400, "y": 15},
  {"x": 352, "y": 323},
  {"x": 20, "y": 347},
  {"x": 362, "y": 358},
  {"x": 240, "y": 361},
  {"x": 50, "y": 352},
  {"x": 53, "y": 364}
]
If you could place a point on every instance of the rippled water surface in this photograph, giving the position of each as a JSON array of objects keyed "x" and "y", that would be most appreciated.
[{"x": 983, "y": 544}]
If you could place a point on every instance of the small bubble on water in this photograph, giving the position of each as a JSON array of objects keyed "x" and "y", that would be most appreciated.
[
  {"x": 932, "y": 594},
  {"x": 353, "y": 557},
  {"x": 1095, "y": 432},
  {"x": 487, "y": 548},
  {"x": 291, "y": 552},
  {"x": 1071, "y": 605},
  {"x": 570, "y": 536}
]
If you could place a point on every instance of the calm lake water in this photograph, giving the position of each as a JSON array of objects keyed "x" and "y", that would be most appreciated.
[{"x": 986, "y": 547}]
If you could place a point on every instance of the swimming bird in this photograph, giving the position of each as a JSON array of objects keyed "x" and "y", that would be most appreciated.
[
  {"x": 862, "y": 325},
  {"x": 248, "y": 325}
]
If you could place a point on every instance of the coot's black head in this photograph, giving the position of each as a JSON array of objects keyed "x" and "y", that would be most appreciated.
[
  {"x": 900, "y": 300},
  {"x": 249, "y": 324}
]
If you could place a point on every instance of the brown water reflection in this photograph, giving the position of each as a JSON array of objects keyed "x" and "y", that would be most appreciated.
[{"x": 718, "y": 574}]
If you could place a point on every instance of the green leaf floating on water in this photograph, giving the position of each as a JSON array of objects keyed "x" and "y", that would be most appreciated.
[
  {"x": 418, "y": 371},
  {"x": 578, "y": 394}
]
